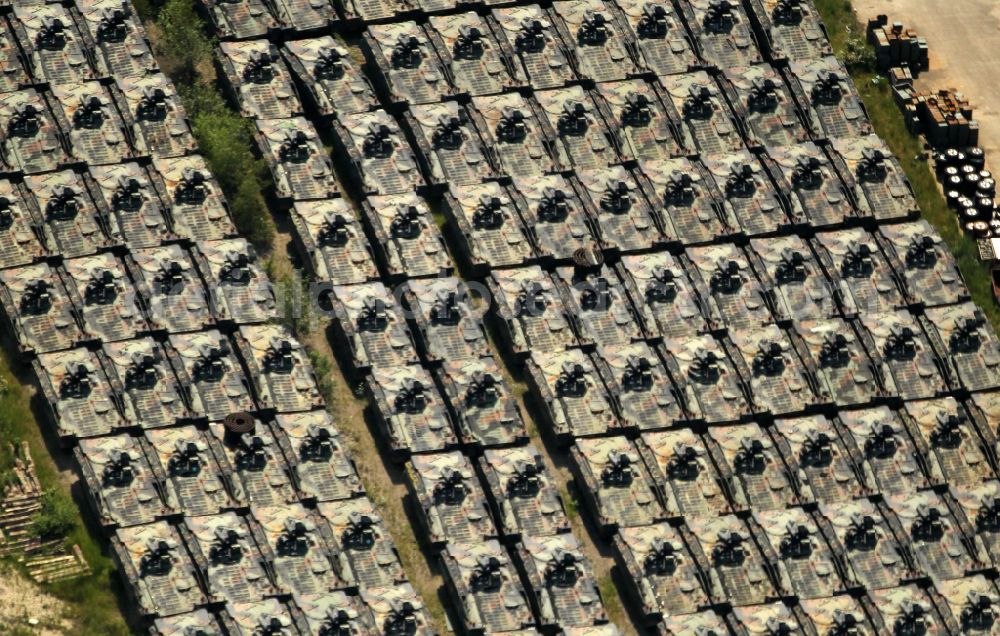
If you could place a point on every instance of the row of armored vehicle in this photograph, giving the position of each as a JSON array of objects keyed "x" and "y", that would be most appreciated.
[
  {"x": 158, "y": 290},
  {"x": 960, "y": 606}
]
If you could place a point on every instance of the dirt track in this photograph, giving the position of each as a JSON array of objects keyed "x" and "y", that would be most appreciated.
[{"x": 961, "y": 35}]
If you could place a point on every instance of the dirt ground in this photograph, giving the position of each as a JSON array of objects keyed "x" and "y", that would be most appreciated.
[
  {"x": 27, "y": 610},
  {"x": 961, "y": 35}
]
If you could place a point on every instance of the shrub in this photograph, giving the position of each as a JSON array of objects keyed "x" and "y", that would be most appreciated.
[
  {"x": 858, "y": 55},
  {"x": 57, "y": 518},
  {"x": 183, "y": 43}
]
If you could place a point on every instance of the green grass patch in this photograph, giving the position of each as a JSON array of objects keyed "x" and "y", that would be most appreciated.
[{"x": 845, "y": 30}]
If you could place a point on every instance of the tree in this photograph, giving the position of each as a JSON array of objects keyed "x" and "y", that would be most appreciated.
[{"x": 182, "y": 40}]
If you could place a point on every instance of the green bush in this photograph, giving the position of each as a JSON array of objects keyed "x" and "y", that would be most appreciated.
[
  {"x": 57, "y": 518},
  {"x": 183, "y": 43},
  {"x": 859, "y": 55}
]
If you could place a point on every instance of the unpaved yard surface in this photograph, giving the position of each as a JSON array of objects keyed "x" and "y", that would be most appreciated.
[
  {"x": 26, "y": 609},
  {"x": 962, "y": 36}
]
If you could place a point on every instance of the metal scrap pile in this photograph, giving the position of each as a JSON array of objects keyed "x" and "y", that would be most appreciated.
[{"x": 765, "y": 368}]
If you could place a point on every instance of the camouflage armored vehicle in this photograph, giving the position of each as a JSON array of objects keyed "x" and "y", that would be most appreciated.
[
  {"x": 557, "y": 217},
  {"x": 81, "y": 400},
  {"x": 260, "y": 472},
  {"x": 739, "y": 571},
  {"x": 155, "y": 115},
  {"x": 659, "y": 39},
  {"x": 162, "y": 579},
  {"x": 872, "y": 555},
  {"x": 300, "y": 16},
  {"x": 852, "y": 258},
  {"x": 701, "y": 108},
  {"x": 240, "y": 19},
  {"x": 985, "y": 411},
  {"x": 407, "y": 240},
  {"x": 762, "y": 480},
  {"x": 485, "y": 588},
  {"x": 839, "y": 613},
  {"x": 410, "y": 412},
  {"x": 267, "y": 617},
  {"x": 572, "y": 394},
  {"x": 56, "y": 50},
  {"x": 451, "y": 505},
  {"x": 380, "y": 157},
  {"x": 228, "y": 560},
  {"x": 73, "y": 224},
  {"x": 952, "y": 439},
  {"x": 919, "y": 255},
  {"x": 126, "y": 192},
  {"x": 597, "y": 300},
  {"x": 685, "y": 199},
  {"x": 899, "y": 346},
  {"x": 639, "y": 122},
  {"x": 486, "y": 411},
  {"x": 638, "y": 378},
  {"x": 874, "y": 178},
  {"x": 405, "y": 65},
  {"x": 526, "y": 499},
  {"x": 962, "y": 335},
  {"x": 15, "y": 73},
  {"x": 967, "y": 605},
  {"x": 615, "y": 484},
  {"x": 903, "y": 610},
  {"x": 828, "y": 97},
  {"x": 88, "y": 115},
  {"x": 562, "y": 581},
  {"x": 706, "y": 622},
  {"x": 197, "y": 207},
  {"x": 398, "y": 609},
  {"x": 450, "y": 148},
  {"x": 515, "y": 129},
  {"x": 686, "y": 479},
  {"x": 725, "y": 271},
  {"x": 299, "y": 165},
  {"x": 241, "y": 291},
  {"x": 531, "y": 312},
  {"x": 707, "y": 379},
  {"x": 104, "y": 295},
  {"x": 767, "y": 620},
  {"x": 476, "y": 62},
  {"x": 371, "y": 327},
  {"x": 301, "y": 560},
  {"x": 282, "y": 374},
  {"x": 29, "y": 133},
  {"x": 39, "y": 310},
  {"x": 117, "y": 36},
  {"x": 811, "y": 184},
  {"x": 723, "y": 33},
  {"x": 122, "y": 485},
  {"x": 599, "y": 46},
  {"x": 332, "y": 242},
  {"x": 330, "y": 80},
  {"x": 761, "y": 98},
  {"x": 925, "y": 522},
  {"x": 792, "y": 541},
  {"x": 257, "y": 79},
  {"x": 798, "y": 285},
  {"x": 20, "y": 229},
  {"x": 144, "y": 381},
  {"x": 834, "y": 355},
  {"x": 791, "y": 29},
  {"x": 492, "y": 232},
  {"x": 206, "y": 365},
  {"x": 528, "y": 33},
  {"x": 354, "y": 530},
  {"x": 625, "y": 220},
  {"x": 825, "y": 469},
  {"x": 321, "y": 464},
  {"x": 978, "y": 512},
  {"x": 662, "y": 577},
  {"x": 665, "y": 296},
  {"x": 361, "y": 12},
  {"x": 170, "y": 289},
  {"x": 889, "y": 458},
  {"x": 187, "y": 459},
  {"x": 199, "y": 621},
  {"x": 741, "y": 180},
  {"x": 332, "y": 613}
]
